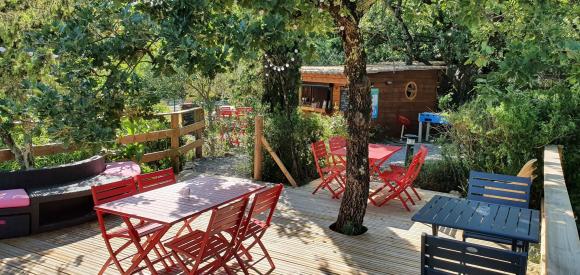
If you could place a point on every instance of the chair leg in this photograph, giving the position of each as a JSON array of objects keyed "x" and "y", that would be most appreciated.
[
  {"x": 416, "y": 193},
  {"x": 241, "y": 263},
  {"x": 266, "y": 254}
]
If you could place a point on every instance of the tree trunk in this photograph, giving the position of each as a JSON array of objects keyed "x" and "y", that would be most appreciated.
[
  {"x": 354, "y": 202},
  {"x": 24, "y": 155}
]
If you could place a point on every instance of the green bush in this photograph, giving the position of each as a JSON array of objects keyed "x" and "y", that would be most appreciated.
[
  {"x": 500, "y": 131},
  {"x": 445, "y": 175},
  {"x": 293, "y": 134}
]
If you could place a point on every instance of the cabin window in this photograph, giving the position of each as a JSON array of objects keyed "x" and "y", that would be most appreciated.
[
  {"x": 316, "y": 96},
  {"x": 410, "y": 90}
]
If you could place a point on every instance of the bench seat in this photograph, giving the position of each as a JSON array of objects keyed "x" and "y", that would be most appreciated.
[{"x": 14, "y": 198}]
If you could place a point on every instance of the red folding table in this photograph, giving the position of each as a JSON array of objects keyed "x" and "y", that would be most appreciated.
[
  {"x": 378, "y": 154},
  {"x": 171, "y": 204}
]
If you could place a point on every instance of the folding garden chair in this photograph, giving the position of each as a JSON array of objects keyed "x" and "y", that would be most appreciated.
[
  {"x": 257, "y": 222},
  {"x": 397, "y": 171},
  {"x": 327, "y": 170},
  {"x": 155, "y": 180},
  {"x": 210, "y": 246},
  {"x": 395, "y": 185},
  {"x": 447, "y": 256},
  {"x": 498, "y": 189},
  {"x": 112, "y": 192},
  {"x": 336, "y": 143}
]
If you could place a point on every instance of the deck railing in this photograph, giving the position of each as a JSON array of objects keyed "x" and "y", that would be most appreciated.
[
  {"x": 560, "y": 245},
  {"x": 195, "y": 126}
]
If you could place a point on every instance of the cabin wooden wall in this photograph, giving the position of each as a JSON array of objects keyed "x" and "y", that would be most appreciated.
[
  {"x": 393, "y": 102},
  {"x": 392, "y": 99}
]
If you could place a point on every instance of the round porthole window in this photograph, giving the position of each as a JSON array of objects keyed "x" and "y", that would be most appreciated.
[{"x": 411, "y": 90}]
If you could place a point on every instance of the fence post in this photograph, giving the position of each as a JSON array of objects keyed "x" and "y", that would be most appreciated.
[
  {"x": 175, "y": 123},
  {"x": 258, "y": 157},
  {"x": 199, "y": 116}
]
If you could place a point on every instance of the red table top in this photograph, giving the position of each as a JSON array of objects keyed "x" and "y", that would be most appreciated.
[
  {"x": 376, "y": 151},
  {"x": 167, "y": 205}
]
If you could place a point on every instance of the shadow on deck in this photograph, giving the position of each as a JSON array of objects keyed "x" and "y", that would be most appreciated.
[{"x": 299, "y": 241}]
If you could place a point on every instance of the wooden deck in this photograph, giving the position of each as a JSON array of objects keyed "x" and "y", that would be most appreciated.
[{"x": 299, "y": 241}]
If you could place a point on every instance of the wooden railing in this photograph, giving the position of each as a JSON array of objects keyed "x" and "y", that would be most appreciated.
[
  {"x": 560, "y": 245},
  {"x": 197, "y": 123}
]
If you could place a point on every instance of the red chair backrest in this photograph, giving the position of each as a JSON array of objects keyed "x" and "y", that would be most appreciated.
[
  {"x": 265, "y": 202},
  {"x": 336, "y": 142},
  {"x": 415, "y": 167},
  {"x": 225, "y": 111},
  {"x": 156, "y": 179},
  {"x": 113, "y": 191},
  {"x": 403, "y": 120},
  {"x": 320, "y": 153},
  {"x": 227, "y": 218},
  {"x": 241, "y": 111}
]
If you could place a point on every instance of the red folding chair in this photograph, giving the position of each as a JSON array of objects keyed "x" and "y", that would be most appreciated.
[
  {"x": 398, "y": 171},
  {"x": 112, "y": 192},
  {"x": 155, "y": 180},
  {"x": 395, "y": 184},
  {"x": 336, "y": 143},
  {"x": 330, "y": 172},
  {"x": 210, "y": 246},
  {"x": 257, "y": 222}
]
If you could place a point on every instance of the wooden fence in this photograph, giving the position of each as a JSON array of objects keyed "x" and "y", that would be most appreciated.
[
  {"x": 560, "y": 245},
  {"x": 195, "y": 126}
]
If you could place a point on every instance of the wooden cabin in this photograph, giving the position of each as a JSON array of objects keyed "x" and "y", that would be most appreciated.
[{"x": 396, "y": 88}]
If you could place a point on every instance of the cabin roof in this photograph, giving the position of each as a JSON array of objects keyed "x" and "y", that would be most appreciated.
[{"x": 376, "y": 68}]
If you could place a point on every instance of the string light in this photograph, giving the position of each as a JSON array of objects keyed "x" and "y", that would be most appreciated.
[{"x": 282, "y": 67}]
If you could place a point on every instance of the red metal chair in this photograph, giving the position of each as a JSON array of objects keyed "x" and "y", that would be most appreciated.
[
  {"x": 395, "y": 185},
  {"x": 112, "y": 192},
  {"x": 210, "y": 246},
  {"x": 327, "y": 171},
  {"x": 405, "y": 123},
  {"x": 398, "y": 171},
  {"x": 257, "y": 222},
  {"x": 336, "y": 143},
  {"x": 155, "y": 180}
]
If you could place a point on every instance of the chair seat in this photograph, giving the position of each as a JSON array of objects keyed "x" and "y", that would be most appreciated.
[
  {"x": 333, "y": 168},
  {"x": 190, "y": 244},
  {"x": 143, "y": 229},
  {"x": 14, "y": 198},
  {"x": 397, "y": 168},
  {"x": 255, "y": 226}
]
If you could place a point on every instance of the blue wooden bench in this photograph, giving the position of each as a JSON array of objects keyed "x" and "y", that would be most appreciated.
[{"x": 447, "y": 256}]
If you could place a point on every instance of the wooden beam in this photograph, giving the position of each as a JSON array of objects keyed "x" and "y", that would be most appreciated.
[
  {"x": 258, "y": 157},
  {"x": 175, "y": 127},
  {"x": 279, "y": 162},
  {"x": 190, "y": 146},
  {"x": 191, "y": 128},
  {"x": 150, "y": 136},
  {"x": 560, "y": 243},
  {"x": 179, "y": 112},
  {"x": 40, "y": 150},
  {"x": 199, "y": 116},
  {"x": 149, "y": 157}
]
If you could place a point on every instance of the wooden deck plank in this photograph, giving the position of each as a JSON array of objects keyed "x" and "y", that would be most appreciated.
[{"x": 299, "y": 241}]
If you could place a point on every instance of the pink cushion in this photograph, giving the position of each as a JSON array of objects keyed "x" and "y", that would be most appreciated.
[
  {"x": 124, "y": 169},
  {"x": 14, "y": 198}
]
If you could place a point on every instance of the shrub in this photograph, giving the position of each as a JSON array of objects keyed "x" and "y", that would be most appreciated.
[
  {"x": 445, "y": 175},
  {"x": 501, "y": 130},
  {"x": 293, "y": 134}
]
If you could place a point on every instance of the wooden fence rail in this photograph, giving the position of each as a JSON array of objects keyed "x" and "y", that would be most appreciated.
[
  {"x": 560, "y": 245},
  {"x": 195, "y": 124}
]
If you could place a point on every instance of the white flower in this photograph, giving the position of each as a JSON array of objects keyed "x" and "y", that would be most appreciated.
[
  {"x": 30, "y": 54},
  {"x": 2, "y": 49}
]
